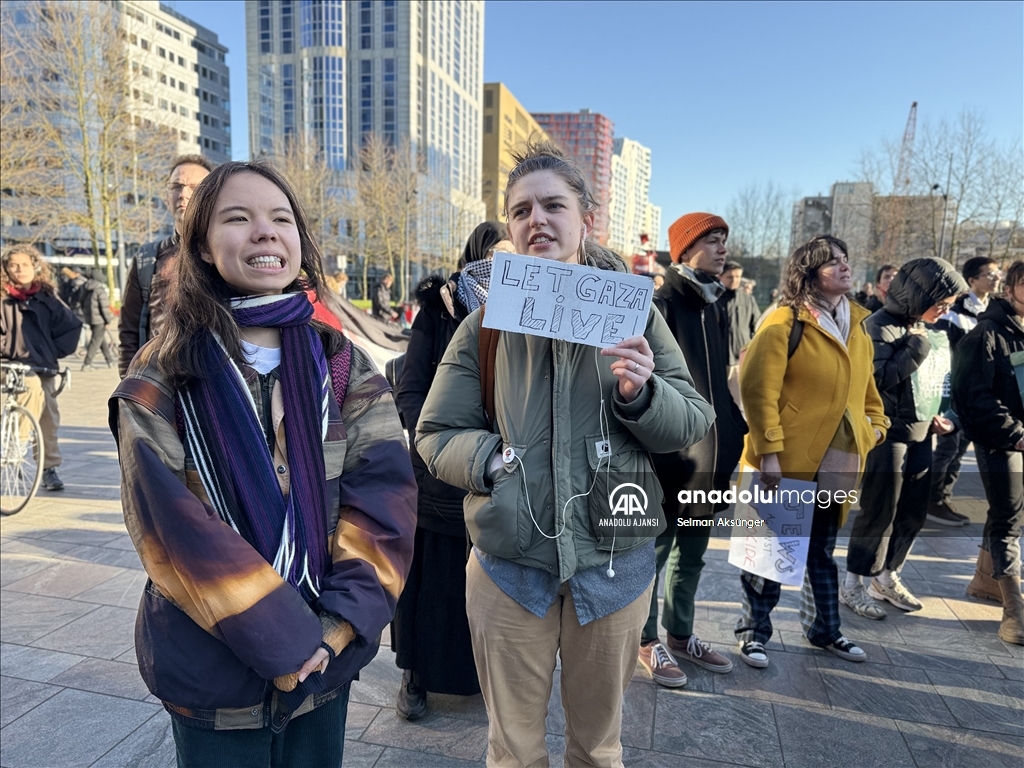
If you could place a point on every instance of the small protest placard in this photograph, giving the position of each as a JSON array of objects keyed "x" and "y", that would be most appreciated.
[
  {"x": 778, "y": 551},
  {"x": 570, "y": 302},
  {"x": 927, "y": 381}
]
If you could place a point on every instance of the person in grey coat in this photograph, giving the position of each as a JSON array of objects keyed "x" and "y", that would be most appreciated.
[{"x": 96, "y": 314}]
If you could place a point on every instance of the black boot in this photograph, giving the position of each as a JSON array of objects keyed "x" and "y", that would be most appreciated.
[{"x": 412, "y": 699}]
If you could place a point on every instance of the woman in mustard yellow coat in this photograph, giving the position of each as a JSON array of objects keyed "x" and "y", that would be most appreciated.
[{"x": 814, "y": 414}]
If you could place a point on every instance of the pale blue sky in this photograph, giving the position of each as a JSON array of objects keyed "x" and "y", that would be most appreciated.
[{"x": 730, "y": 94}]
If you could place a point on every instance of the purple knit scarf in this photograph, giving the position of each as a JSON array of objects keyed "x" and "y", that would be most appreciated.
[{"x": 231, "y": 452}]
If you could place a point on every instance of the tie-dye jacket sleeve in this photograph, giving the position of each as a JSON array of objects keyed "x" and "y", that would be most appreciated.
[{"x": 209, "y": 572}]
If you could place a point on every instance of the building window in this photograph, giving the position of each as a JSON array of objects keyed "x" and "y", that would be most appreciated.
[
  {"x": 287, "y": 26},
  {"x": 488, "y": 124},
  {"x": 390, "y": 16},
  {"x": 390, "y": 101},
  {"x": 365, "y": 98},
  {"x": 365, "y": 25}
]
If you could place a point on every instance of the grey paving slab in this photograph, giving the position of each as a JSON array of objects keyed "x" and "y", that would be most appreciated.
[
  {"x": 378, "y": 682},
  {"x": 403, "y": 758},
  {"x": 20, "y": 696},
  {"x": 434, "y": 734},
  {"x": 151, "y": 745},
  {"x": 710, "y": 727},
  {"x": 361, "y": 755},
  {"x": 789, "y": 679},
  {"x": 466, "y": 707},
  {"x": 83, "y": 536},
  {"x": 883, "y": 691},
  {"x": 123, "y": 591},
  {"x": 965, "y": 642},
  {"x": 35, "y": 616},
  {"x": 555, "y": 722},
  {"x": 104, "y": 633},
  {"x": 40, "y": 547},
  {"x": 9, "y": 597},
  {"x": 938, "y": 747},
  {"x": 1012, "y": 669},
  {"x": 105, "y": 556},
  {"x": 114, "y": 678},
  {"x": 980, "y": 703},
  {"x": 16, "y": 567},
  {"x": 648, "y": 758},
  {"x": 90, "y": 725},
  {"x": 65, "y": 579},
  {"x": 812, "y": 738},
  {"x": 37, "y": 664},
  {"x": 359, "y": 716},
  {"x": 940, "y": 660}
]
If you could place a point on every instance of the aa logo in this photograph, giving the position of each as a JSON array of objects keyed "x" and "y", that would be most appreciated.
[{"x": 628, "y": 498}]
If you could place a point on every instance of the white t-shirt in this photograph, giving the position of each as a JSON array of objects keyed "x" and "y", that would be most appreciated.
[{"x": 262, "y": 359}]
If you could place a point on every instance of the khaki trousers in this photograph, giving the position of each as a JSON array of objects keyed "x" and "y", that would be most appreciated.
[
  {"x": 40, "y": 402},
  {"x": 515, "y": 661}
]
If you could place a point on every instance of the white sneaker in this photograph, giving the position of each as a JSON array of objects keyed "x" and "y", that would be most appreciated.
[
  {"x": 857, "y": 600},
  {"x": 897, "y": 594}
]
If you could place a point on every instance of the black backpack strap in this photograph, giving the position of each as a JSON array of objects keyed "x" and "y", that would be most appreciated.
[
  {"x": 488, "y": 354},
  {"x": 145, "y": 262},
  {"x": 796, "y": 333}
]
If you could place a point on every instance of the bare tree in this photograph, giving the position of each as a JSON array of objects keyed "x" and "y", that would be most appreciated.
[
  {"x": 74, "y": 96},
  {"x": 759, "y": 221}
]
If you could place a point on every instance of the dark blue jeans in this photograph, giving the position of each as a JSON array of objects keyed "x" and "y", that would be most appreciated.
[{"x": 313, "y": 740}]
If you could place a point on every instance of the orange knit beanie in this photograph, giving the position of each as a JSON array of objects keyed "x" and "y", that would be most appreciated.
[{"x": 688, "y": 229}]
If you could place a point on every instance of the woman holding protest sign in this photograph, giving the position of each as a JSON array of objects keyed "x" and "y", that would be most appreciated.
[
  {"x": 814, "y": 414},
  {"x": 529, "y": 426},
  {"x": 266, "y": 487}
]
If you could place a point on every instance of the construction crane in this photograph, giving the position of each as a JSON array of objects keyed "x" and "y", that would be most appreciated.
[{"x": 896, "y": 223}]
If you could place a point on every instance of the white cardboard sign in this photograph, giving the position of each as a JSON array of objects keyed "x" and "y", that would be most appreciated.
[
  {"x": 570, "y": 302},
  {"x": 778, "y": 551}
]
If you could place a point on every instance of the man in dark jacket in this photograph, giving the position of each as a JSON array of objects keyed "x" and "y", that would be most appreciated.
[
  {"x": 883, "y": 279},
  {"x": 894, "y": 497},
  {"x": 96, "y": 314},
  {"x": 742, "y": 312},
  {"x": 381, "y": 308},
  {"x": 690, "y": 302},
  {"x": 982, "y": 275},
  {"x": 988, "y": 396},
  {"x": 148, "y": 276}
]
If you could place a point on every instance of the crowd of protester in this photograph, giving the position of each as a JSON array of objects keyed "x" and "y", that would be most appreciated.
[{"x": 285, "y": 517}]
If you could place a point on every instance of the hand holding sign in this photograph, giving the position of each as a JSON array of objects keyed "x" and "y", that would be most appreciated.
[{"x": 634, "y": 366}]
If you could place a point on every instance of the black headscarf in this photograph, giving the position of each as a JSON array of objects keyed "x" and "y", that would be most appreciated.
[{"x": 484, "y": 237}]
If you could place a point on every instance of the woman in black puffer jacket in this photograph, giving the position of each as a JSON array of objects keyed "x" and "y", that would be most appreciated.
[
  {"x": 894, "y": 497},
  {"x": 430, "y": 632}
]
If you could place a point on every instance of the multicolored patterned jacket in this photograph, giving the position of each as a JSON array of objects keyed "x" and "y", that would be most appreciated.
[{"x": 217, "y": 626}]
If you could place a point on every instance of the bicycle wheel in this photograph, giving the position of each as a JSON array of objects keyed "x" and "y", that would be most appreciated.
[{"x": 21, "y": 462}]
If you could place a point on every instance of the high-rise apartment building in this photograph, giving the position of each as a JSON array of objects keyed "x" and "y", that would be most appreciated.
[
  {"x": 587, "y": 138},
  {"x": 337, "y": 71},
  {"x": 175, "y": 79},
  {"x": 508, "y": 127},
  {"x": 631, "y": 213},
  {"x": 190, "y": 91}
]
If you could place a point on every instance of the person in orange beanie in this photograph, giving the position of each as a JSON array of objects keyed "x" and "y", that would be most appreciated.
[{"x": 689, "y": 301}]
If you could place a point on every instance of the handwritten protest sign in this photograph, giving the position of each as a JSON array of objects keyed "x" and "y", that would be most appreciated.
[
  {"x": 570, "y": 302},
  {"x": 778, "y": 551}
]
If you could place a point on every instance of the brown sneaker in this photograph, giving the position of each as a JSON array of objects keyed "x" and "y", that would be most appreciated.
[
  {"x": 660, "y": 665},
  {"x": 695, "y": 650}
]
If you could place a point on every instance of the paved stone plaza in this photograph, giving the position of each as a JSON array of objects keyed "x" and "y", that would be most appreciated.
[{"x": 939, "y": 689}]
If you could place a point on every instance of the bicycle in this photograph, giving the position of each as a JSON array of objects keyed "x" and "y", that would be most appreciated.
[{"x": 21, "y": 440}]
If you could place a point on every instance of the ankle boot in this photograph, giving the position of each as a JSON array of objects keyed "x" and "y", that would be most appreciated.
[
  {"x": 983, "y": 586},
  {"x": 1011, "y": 629}
]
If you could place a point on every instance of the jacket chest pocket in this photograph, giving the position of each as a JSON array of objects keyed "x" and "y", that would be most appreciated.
[
  {"x": 334, "y": 457},
  {"x": 625, "y": 503}
]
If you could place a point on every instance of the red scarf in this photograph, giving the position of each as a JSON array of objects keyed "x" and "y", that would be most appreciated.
[{"x": 23, "y": 294}]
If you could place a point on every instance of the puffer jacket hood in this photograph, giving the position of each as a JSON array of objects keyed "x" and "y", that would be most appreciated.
[{"x": 920, "y": 284}]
